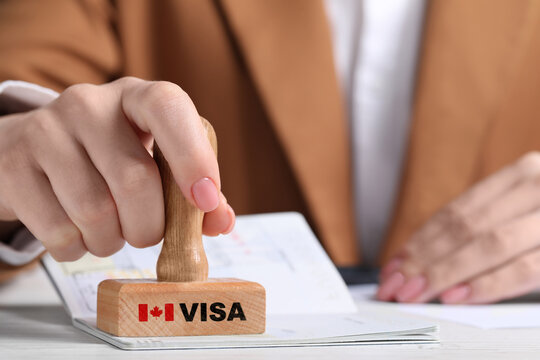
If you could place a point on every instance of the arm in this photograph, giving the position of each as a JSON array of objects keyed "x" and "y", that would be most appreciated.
[{"x": 77, "y": 172}]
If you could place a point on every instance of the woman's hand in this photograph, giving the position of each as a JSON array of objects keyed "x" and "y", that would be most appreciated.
[
  {"x": 79, "y": 175},
  {"x": 483, "y": 247}
]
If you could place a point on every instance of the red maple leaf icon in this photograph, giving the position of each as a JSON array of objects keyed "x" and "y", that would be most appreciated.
[{"x": 156, "y": 312}]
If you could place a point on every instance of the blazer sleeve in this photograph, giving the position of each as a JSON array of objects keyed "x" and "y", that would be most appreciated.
[{"x": 58, "y": 43}]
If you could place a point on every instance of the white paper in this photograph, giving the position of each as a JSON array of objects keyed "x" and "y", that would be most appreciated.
[
  {"x": 288, "y": 330},
  {"x": 307, "y": 301},
  {"x": 279, "y": 251},
  {"x": 494, "y": 316}
]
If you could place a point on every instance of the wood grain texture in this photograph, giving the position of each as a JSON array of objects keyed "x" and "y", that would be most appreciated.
[
  {"x": 213, "y": 307},
  {"x": 182, "y": 301},
  {"x": 182, "y": 256}
]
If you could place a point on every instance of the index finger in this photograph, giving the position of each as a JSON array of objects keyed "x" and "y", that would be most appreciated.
[{"x": 164, "y": 110}]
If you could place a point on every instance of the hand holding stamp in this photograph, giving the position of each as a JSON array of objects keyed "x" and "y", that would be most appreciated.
[{"x": 183, "y": 301}]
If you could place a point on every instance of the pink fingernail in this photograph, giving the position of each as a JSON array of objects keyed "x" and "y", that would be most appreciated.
[
  {"x": 412, "y": 288},
  {"x": 391, "y": 267},
  {"x": 205, "y": 194},
  {"x": 388, "y": 287},
  {"x": 456, "y": 294},
  {"x": 230, "y": 211}
]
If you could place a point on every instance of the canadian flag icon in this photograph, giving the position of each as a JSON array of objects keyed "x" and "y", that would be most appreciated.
[{"x": 156, "y": 312}]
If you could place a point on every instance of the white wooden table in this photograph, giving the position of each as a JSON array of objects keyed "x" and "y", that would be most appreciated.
[{"x": 34, "y": 325}]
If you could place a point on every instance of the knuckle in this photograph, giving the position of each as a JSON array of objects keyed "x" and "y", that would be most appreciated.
[
  {"x": 17, "y": 154},
  {"x": 444, "y": 271},
  {"x": 457, "y": 223},
  {"x": 147, "y": 231},
  {"x": 64, "y": 242},
  {"x": 493, "y": 244},
  {"x": 37, "y": 124},
  {"x": 78, "y": 91},
  {"x": 13, "y": 160},
  {"x": 64, "y": 256},
  {"x": 32, "y": 126},
  {"x": 64, "y": 236},
  {"x": 529, "y": 164},
  {"x": 411, "y": 268},
  {"x": 525, "y": 268},
  {"x": 40, "y": 128},
  {"x": 163, "y": 96},
  {"x": 164, "y": 89},
  {"x": 136, "y": 177},
  {"x": 81, "y": 96},
  {"x": 109, "y": 248},
  {"x": 127, "y": 80},
  {"x": 148, "y": 237},
  {"x": 413, "y": 246},
  {"x": 94, "y": 210},
  {"x": 436, "y": 277}
]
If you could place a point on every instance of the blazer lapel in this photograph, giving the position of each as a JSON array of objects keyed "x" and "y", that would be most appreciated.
[
  {"x": 469, "y": 59},
  {"x": 287, "y": 50}
]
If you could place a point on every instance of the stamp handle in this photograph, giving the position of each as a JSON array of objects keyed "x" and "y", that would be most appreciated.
[{"x": 182, "y": 257}]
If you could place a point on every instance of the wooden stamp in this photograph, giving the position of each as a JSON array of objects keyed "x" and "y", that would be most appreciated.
[{"x": 182, "y": 301}]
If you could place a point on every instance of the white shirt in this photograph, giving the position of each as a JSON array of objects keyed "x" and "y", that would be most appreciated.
[{"x": 375, "y": 49}]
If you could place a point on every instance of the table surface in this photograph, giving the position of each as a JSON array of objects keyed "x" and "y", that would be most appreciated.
[{"x": 34, "y": 325}]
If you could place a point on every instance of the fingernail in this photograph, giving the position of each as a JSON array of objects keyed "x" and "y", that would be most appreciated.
[
  {"x": 205, "y": 194},
  {"x": 456, "y": 294},
  {"x": 388, "y": 288},
  {"x": 390, "y": 267},
  {"x": 230, "y": 211},
  {"x": 412, "y": 288}
]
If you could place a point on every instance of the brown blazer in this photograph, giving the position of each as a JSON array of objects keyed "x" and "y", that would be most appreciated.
[{"x": 262, "y": 72}]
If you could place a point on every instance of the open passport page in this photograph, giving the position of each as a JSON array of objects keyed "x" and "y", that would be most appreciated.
[{"x": 308, "y": 304}]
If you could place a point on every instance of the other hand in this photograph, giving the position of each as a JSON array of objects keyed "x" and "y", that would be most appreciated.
[{"x": 481, "y": 248}]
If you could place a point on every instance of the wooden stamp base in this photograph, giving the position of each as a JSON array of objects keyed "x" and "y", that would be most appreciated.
[{"x": 146, "y": 307}]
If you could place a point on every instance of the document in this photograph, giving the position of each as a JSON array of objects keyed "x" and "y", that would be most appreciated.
[
  {"x": 523, "y": 312},
  {"x": 307, "y": 301}
]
